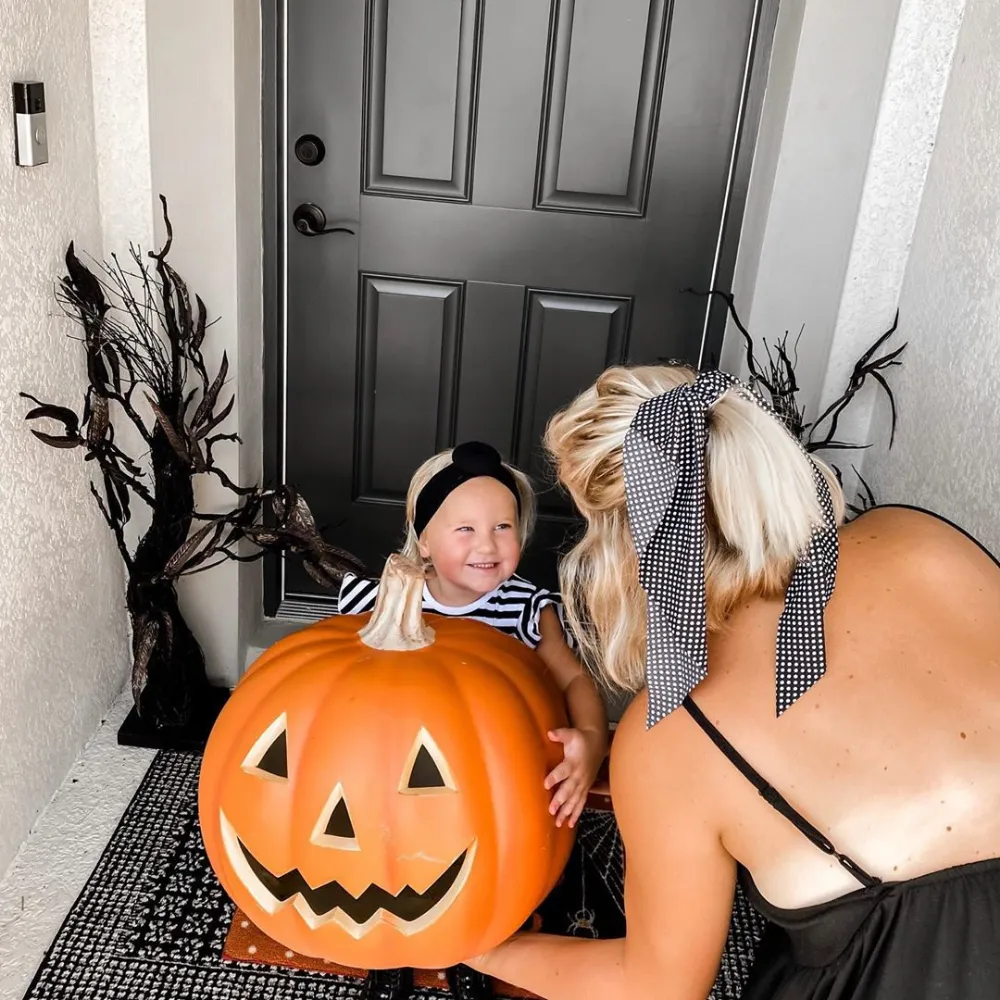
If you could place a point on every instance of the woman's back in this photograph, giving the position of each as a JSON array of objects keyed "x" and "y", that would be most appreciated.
[{"x": 893, "y": 755}]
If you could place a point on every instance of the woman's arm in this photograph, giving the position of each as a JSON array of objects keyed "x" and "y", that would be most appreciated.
[
  {"x": 679, "y": 885},
  {"x": 560, "y": 967}
]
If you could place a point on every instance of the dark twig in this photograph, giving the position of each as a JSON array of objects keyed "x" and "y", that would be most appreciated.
[
  {"x": 867, "y": 366},
  {"x": 116, "y": 528},
  {"x": 143, "y": 332},
  {"x": 777, "y": 380},
  {"x": 865, "y": 500}
]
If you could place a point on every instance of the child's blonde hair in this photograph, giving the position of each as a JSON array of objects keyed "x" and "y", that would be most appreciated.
[
  {"x": 761, "y": 509},
  {"x": 430, "y": 468}
]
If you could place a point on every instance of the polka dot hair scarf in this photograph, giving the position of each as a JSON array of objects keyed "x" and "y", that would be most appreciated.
[{"x": 664, "y": 458}]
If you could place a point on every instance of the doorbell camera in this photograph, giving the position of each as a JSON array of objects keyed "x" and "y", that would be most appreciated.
[{"x": 30, "y": 136}]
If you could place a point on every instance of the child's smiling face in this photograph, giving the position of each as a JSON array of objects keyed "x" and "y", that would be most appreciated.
[{"x": 472, "y": 541}]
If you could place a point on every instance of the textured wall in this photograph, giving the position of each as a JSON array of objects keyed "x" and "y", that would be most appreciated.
[
  {"x": 192, "y": 133},
  {"x": 121, "y": 121},
  {"x": 841, "y": 52},
  {"x": 63, "y": 654},
  {"x": 947, "y": 452},
  {"x": 921, "y": 59}
]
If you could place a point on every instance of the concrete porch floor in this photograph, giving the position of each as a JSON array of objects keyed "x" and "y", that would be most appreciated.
[{"x": 63, "y": 847}]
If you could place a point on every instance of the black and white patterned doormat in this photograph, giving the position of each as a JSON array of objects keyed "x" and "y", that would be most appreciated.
[{"x": 152, "y": 920}]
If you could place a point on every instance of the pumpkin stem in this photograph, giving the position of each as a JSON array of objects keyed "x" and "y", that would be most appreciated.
[{"x": 397, "y": 622}]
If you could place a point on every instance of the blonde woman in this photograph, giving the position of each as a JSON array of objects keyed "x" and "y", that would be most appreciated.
[{"x": 817, "y": 711}]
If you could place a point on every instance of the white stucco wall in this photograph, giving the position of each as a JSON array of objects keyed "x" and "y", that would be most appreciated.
[
  {"x": 191, "y": 76},
  {"x": 905, "y": 134},
  {"x": 846, "y": 137},
  {"x": 947, "y": 452},
  {"x": 121, "y": 122},
  {"x": 63, "y": 654},
  {"x": 829, "y": 65}
]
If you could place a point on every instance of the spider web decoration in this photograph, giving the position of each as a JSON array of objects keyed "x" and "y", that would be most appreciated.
[{"x": 601, "y": 843}]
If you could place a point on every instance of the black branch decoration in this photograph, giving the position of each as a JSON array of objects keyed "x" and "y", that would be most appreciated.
[
  {"x": 774, "y": 376},
  {"x": 143, "y": 335}
]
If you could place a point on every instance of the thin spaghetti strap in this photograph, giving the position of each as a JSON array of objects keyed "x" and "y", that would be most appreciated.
[{"x": 775, "y": 799}]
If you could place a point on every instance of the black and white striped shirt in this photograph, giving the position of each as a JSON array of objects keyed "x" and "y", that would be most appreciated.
[{"x": 513, "y": 608}]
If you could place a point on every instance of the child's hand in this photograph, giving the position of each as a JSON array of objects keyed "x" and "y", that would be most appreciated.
[{"x": 583, "y": 752}]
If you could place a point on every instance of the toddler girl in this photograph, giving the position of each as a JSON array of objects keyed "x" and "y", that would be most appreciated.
[{"x": 468, "y": 517}]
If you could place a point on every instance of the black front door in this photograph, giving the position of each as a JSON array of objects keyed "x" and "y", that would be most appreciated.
[{"x": 520, "y": 192}]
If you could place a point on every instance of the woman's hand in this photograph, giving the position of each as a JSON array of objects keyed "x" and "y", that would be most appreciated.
[{"x": 583, "y": 751}]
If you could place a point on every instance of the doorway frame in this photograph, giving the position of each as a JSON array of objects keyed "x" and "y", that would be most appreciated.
[{"x": 275, "y": 232}]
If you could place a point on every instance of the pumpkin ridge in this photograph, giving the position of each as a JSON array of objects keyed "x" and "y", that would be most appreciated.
[
  {"x": 506, "y": 851},
  {"x": 445, "y": 672},
  {"x": 499, "y": 664},
  {"x": 456, "y": 682},
  {"x": 320, "y": 655},
  {"x": 320, "y": 634}
]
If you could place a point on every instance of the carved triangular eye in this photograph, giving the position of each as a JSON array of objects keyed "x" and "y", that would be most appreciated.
[
  {"x": 275, "y": 759},
  {"x": 339, "y": 824},
  {"x": 424, "y": 773},
  {"x": 268, "y": 757},
  {"x": 334, "y": 827},
  {"x": 426, "y": 769}
]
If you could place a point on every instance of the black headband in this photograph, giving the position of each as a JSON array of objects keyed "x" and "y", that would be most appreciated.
[{"x": 471, "y": 460}]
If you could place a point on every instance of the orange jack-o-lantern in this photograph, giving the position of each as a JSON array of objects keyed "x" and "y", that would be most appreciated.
[{"x": 377, "y": 798}]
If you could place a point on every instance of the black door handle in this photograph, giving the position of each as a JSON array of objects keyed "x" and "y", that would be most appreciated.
[{"x": 310, "y": 220}]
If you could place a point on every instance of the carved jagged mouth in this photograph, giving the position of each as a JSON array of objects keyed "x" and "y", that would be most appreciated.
[
  {"x": 408, "y": 910},
  {"x": 407, "y": 904}
]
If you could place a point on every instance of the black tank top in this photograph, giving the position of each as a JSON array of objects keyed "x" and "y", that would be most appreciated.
[{"x": 936, "y": 937}]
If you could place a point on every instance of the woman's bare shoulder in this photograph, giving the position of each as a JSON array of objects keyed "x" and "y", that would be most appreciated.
[
  {"x": 673, "y": 757},
  {"x": 903, "y": 543},
  {"x": 890, "y": 521}
]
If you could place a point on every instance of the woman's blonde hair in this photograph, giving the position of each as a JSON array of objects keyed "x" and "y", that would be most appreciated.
[
  {"x": 761, "y": 509},
  {"x": 429, "y": 469}
]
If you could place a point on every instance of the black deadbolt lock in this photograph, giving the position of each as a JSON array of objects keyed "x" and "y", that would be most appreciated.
[{"x": 310, "y": 150}]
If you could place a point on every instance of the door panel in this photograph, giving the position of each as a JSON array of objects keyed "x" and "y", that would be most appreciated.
[
  {"x": 567, "y": 339},
  {"x": 507, "y": 149},
  {"x": 531, "y": 185},
  {"x": 410, "y": 337},
  {"x": 423, "y": 72},
  {"x": 491, "y": 361},
  {"x": 599, "y": 126}
]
